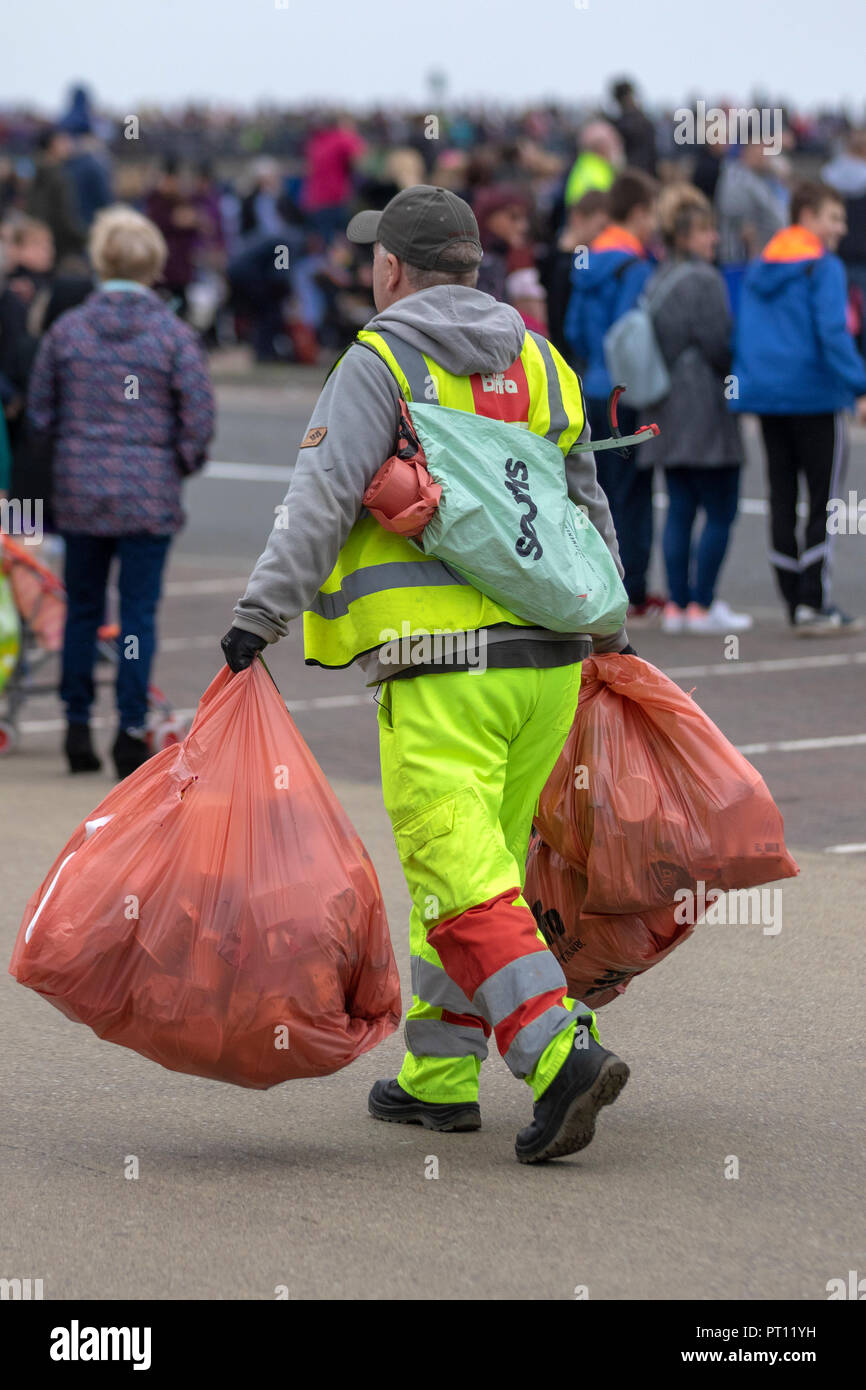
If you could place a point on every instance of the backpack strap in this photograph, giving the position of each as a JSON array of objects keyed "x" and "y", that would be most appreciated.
[{"x": 654, "y": 296}]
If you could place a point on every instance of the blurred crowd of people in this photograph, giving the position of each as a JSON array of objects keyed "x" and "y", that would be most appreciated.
[
  {"x": 253, "y": 207},
  {"x": 584, "y": 216}
]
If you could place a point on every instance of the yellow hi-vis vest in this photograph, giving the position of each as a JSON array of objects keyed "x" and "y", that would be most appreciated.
[{"x": 383, "y": 587}]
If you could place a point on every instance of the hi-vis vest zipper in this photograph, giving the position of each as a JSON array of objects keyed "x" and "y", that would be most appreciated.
[{"x": 381, "y": 581}]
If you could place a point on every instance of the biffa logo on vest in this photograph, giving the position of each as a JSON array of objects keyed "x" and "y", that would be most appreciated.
[
  {"x": 498, "y": 382},
  {"x": 502, "y": 395},
  {"x": 527, "y": 545}
]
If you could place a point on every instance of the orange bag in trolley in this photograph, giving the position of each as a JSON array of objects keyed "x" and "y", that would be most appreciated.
[
  {"x": 648, "y": 796},
  {"x": 217, "y": 912}
]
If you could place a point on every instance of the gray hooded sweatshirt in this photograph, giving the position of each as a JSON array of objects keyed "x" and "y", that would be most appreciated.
[{"x": 353, "y": 430}]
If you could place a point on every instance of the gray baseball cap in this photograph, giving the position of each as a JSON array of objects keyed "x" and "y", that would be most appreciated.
[{"x": 420, "y": 225}]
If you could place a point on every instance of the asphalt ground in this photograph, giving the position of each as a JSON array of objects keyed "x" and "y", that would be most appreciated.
[{"x": 742, "y": 1044}]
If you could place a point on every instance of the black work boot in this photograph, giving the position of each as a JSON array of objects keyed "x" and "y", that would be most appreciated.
[
  {"x": 563, "y": 1119},
  {"x": 79, "y": 749},
  {"x": 129, "y": 751},
  {"x": 388, "y": 1101}
]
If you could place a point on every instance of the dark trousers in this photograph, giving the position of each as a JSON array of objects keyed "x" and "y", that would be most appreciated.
[
  {"x": 693, "y": 570},
  {"x": 328, "y": 221},
  {"x": 88, "y": 559},
  {"x": 264, "y": 303},
  {"x": 811, "y": 446},
  {"x": 629, "y": 493}
]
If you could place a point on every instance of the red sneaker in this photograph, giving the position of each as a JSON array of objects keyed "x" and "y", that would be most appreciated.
[{"x": 646, "y": 613}]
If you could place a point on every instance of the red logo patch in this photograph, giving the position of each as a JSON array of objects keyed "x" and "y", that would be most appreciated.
[{"x": 502, "y": 395}]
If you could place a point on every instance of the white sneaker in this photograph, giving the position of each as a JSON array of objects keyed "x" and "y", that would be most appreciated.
[
  {"x": 824, "y": 622},
  {"x": 673, "y": 618},
  {"x": 720, "y": 617}
]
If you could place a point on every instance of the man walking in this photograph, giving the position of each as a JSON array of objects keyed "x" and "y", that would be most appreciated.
[
  {"x": 466, "y": 743},
  {"x": 797, "y": 368}
]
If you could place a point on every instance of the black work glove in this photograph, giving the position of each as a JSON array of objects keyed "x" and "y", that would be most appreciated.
[
  {"x": 241, "y": 648},
  {"x": 627, "y": 651}
]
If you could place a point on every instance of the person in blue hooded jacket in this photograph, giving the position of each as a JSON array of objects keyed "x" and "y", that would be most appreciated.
[
  {"x": 606, "y": 281},
  {"x": 796, "y": 367}
]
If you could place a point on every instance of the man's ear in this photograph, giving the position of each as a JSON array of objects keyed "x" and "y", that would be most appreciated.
[{"x": 395, "y": 270}]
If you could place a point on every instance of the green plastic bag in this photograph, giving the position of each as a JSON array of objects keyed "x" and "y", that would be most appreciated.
[
  {"x": 10, "y": 631},
  {"x": 505, "y": 523}
]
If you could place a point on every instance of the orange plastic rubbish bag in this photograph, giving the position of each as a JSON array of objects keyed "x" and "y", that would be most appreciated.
[
  {"x": 599, "y": 954},
  {"x": 217, "y": 912},
  {"x": 403, "y": 496},
  {"x": 648, "y": 796}
]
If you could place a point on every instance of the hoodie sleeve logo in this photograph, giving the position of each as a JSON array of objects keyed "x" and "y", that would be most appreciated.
[{"x": 314, "y": 436}]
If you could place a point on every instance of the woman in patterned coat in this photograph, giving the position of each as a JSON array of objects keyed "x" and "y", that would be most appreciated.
[{"x": 121, "y": 389}]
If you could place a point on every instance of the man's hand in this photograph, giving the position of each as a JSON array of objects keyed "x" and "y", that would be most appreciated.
[
  {"x": 241, "y": 648},
  {"x": 860, "y": 409}
]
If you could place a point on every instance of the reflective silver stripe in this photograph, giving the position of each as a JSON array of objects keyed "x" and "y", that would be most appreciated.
[
  {"x": 519, "y": 980},
  {"x": 422, "y": 384},
  {"x": 837, "y": 473},
  {"x": 430, "y": 1037},
  {"x": 531, "y": 1041},
  {"x": 559, "y": 421},
  {"x": 395, "y": 574},
  {"x": 431, "y": 984},
  {"x": 814, "y": 553},
  {"x": 784, "y": 562}
]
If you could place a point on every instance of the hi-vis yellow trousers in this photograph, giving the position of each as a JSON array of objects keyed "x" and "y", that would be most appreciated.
[{"x": 465, "y": 755}]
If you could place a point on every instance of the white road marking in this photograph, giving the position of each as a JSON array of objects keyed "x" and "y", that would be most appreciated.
[
  {"x": 182, "y": 644},
  {"x": 247, "y": 472},
  {"x": 845, "y": 849},
  {"x": 228, "y": 584},
  {"x": 276, "y": 473},
  {"x": 803, "y": 745},
  {"x": 327, "y": 702},
  {"x": 202, "y": 641},
  {"x": 768, "y": 667},
  {"x": 228, "y": 562},
  {"x": 722, "y": 668},
  {"x": 53, "y": 726},
  {"x": 747, "y": 506}
]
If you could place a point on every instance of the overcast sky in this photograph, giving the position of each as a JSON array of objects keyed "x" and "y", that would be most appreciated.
[{"x": 241, "y": 51}]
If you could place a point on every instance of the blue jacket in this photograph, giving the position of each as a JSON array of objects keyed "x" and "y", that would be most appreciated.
[
  {"x": 793, "y": 354},
  {"x": 601, "y": 292}
]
